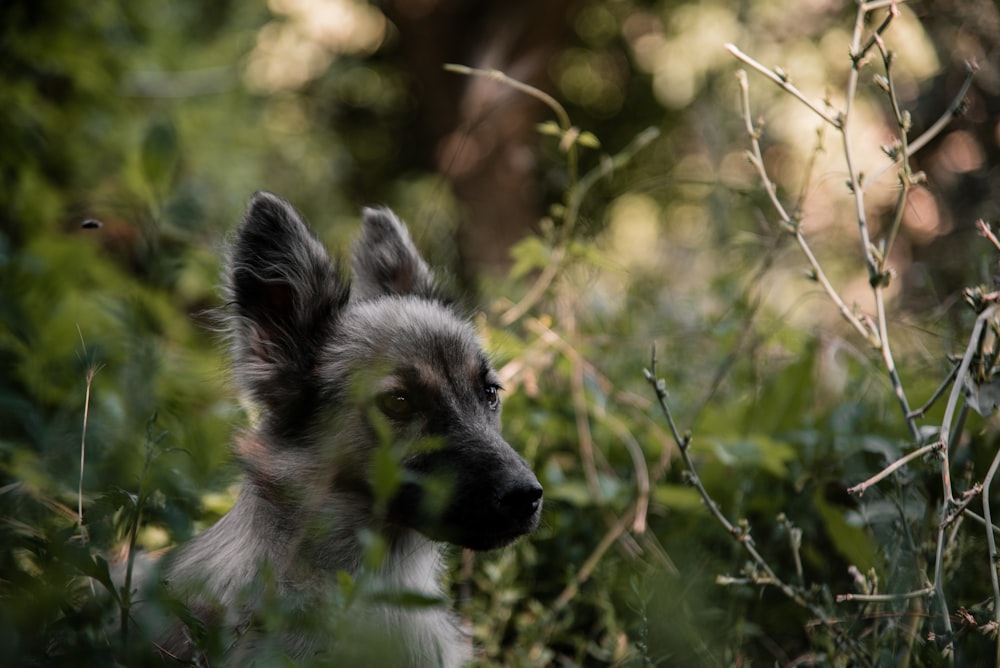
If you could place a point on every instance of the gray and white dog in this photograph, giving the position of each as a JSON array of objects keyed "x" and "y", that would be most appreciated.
[{"x": 378, "y": 439}]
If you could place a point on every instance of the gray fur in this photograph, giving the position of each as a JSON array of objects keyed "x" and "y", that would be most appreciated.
[{"x": 335, "y": 369}]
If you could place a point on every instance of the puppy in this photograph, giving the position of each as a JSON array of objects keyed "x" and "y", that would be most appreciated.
[{"x": 377, "y": 440}]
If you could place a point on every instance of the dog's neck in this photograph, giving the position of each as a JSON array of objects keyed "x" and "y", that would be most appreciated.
[
  {"x": 262, "y": 532},
  {"x": 254, "y": 542}
]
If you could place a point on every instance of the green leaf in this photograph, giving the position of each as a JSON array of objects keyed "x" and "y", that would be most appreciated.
[
  {"x": 386, "y": 474},
  {"x": 408, "y": 599},
  {"x": 346, "y": 584},
  {"x": 529, "y": 254},
  {"x": 787, "y": 398},
  {"x": 589, "y": 140},
  {"x": 159, "y": 155},
  {"x": 756, "y": 452},
  {"x": 573, "y": 492},
  {"x": 678, "y": 497},
  {"x": 853, "y": 542},
  {"x": 549, "y": 129}
]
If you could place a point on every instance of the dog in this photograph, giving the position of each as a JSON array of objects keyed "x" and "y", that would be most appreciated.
[{"x": 376, "y": 441}]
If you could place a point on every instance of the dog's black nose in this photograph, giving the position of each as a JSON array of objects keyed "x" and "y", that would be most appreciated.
[{"x": 522, "y": 500}]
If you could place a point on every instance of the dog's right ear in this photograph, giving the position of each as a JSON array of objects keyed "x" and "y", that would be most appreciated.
[
  {"x": 385, "y": 260},
  {"x": 286, "y": 294}
]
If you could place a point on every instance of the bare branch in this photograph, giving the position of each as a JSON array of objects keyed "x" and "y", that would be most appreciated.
[{"x": 783, "y": 82}]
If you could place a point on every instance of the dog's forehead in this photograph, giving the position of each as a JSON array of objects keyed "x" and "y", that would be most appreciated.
[{"x": 415, "y": 335}]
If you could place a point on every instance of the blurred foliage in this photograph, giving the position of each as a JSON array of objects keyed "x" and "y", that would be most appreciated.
[{"x": 133, "y": 133}]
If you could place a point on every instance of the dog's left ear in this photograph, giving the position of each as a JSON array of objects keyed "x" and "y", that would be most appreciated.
[
  {"x": 285, "y": 295},
  {"x": 385, "y": 260}
]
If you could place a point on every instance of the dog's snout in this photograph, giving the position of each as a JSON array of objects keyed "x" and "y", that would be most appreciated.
[{"x": 522, "y": 500}]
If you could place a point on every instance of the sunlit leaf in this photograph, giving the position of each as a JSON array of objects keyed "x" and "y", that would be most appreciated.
[
  {"x": 589, "y": 140},
  {"x": 549, "y": 128}
]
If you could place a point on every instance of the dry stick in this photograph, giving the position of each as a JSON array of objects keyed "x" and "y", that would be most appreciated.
[
  {"x": 987, "y": 232},
  {"x": 876, "y": 278},
  {"x": 583, "y": 427},
  {"x": 500, "y": 77},
  {"x": 885, "y": 598},
  {"x": 757, "y": 160},
  {"x": 890, "y": 365},
  {"x": 940, "y": 124},
  {"x": 991, "y": 541},
  {"x": 877, "y": 34},
  {"x": 979, "y": 518},
  {"x": 920, "y": 412},
  {"x": 960, "y": 510},
  {"x": 540, "y": 95},
  {"x": 795, "y": 544},
  {"x": 877, "y": 281},
  {"x": 975, "y": 342},
  {"x": 91, "y": 372},
  {"x": 860, "y": 488},
  {"x": 906, "y": 177},
  {"x": 875, "y": 273},
  {"x": 879, "y": 339},
  {"x": 740, "y": 535},
  {"x": 784, "y": 83},
  {"x": 559, "y": 253},
  {"x": 639, "y": 465},
  {"x": 944, "y": 443},
  {"x": 956, "y": 392}
]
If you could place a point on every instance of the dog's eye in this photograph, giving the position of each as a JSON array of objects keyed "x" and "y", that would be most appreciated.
[
  {"x": 395, "y": 404},
  {"x": 493, "y": 397}
]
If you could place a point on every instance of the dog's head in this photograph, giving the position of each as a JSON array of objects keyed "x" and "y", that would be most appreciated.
[{"x": 349, "y": 373}]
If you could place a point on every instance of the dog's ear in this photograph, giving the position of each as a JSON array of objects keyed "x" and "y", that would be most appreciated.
[
  {"x": 286, "y": 294},
  {"x": 385, "y": 261}
]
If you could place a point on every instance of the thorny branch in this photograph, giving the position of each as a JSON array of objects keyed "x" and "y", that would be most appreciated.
[
  {"x": 875, "y": 330},
  {"x": 741, "y": 532},
  {"x": 792, "y": 226}
]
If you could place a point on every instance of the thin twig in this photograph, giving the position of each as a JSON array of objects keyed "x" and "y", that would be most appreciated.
[
  {"x": 887, "y": 598},
  {"x": 939, "y": 579},
  {"x": 860, "y": 488},
  {"x": 877, "y": 276},
  {"x": 992, "y": 542},
  {"x": 986, "y": 232},
  {"x": 740, "y": 534},
  {"x": 920, "y": 412},
  {"x": 500, "y": 77},
  {"x": 576, "y": 198},
  {"x": 783, "y": 83},
  {"x": 876, "y": 36},
  {"x": 795, "y": 544},
  {"x": 890, "y": 364},
  {"x": 968, "y": 497},
  {"x": 953, "y": 110},
  {"x": 638, "y": 465},
  {"x": 957, "y": 392},
  {"x": 757, "y": 160},
  {"x": 91, "y": 372},
  {"x": 552, "y": 103}
]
